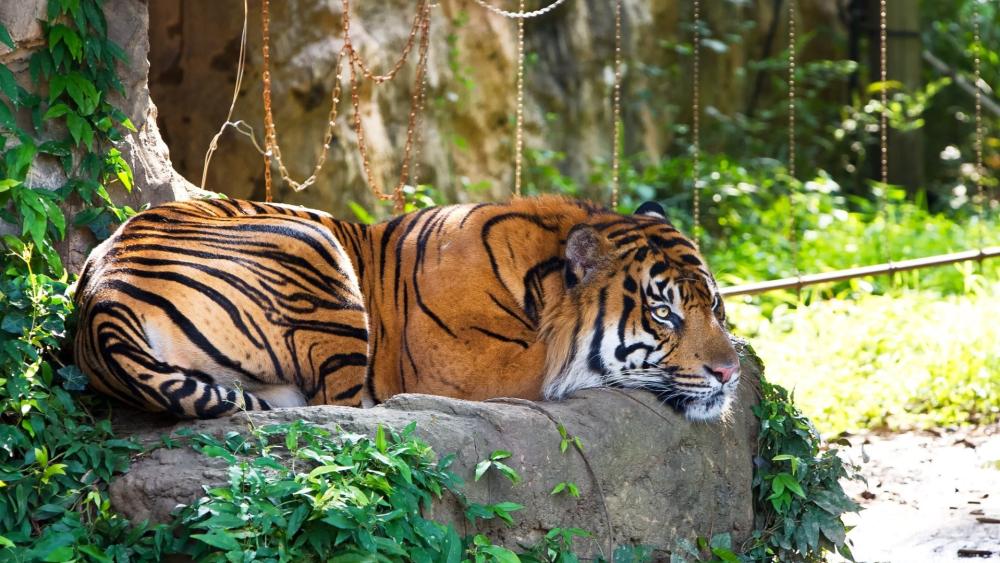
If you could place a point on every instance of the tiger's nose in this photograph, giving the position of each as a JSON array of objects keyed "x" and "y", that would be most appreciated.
[{"x": 723, "y": 372}]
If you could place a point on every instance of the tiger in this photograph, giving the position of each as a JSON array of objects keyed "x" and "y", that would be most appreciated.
[{"x": 204, "y": 308}]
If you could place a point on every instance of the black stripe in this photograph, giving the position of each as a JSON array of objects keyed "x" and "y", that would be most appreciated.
[{"x": 501, "y": 337}]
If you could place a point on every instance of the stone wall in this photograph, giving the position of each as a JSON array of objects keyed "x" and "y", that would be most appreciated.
[{"x": 653, "y": 477}]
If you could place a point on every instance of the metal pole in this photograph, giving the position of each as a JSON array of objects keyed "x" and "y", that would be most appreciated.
[{"x": 850, "y": 273}]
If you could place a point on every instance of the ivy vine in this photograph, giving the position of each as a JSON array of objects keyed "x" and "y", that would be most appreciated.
[{"x": 56, "y": 455}]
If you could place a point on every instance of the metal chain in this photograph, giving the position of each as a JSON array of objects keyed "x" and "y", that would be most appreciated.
[
  {"x": 378, "y": 79},
  {"x": 884, "y": 243},
  {"x": 268, "y": 118},
  {"x": 883, "y": 77},
  {"x": 398, "y": 194},
  {"x": 520, "y": 14},
  {"x": 272, "y": 149},
  {"x": 416, "y": 105},
  {"x": 616, "y": 122},
  {"x": 519, "y": 127},
  {"x": 980, "y": 170},
  {"x": 792, "y": 220},
  {"x": 696, "y": 124}
]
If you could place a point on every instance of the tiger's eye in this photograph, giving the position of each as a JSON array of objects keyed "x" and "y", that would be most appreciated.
[{"x": 662, "y": 312}]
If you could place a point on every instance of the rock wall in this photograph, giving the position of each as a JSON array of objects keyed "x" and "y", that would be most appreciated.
[
  {"x": 653, "y": 476},
  {"x": 468, "y": 126},
  {"x": 155, "y": 179}
]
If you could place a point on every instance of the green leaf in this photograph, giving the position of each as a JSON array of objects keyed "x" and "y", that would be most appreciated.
[
  {"x": 69, "y": 37},
  {"x": 219, "y": 540},
  {"x": 59, "y": 555},
  {"x": 6, "y": 40},
  {"x": 324, "y": 469},
  {"x": 481, "y": 468},
  {"x": 8, "y": 85},
  {"x": 380, "y": 441},
  {"x": 83, "y": 92},
  {"x": 56, "y": 110},
  {"x": 558, "y": 488},
  {"x": 8, "y": 183},
  {"x": 6, "y": 116},
  {"x": 72, "y": 378},
  {"x": 96, "y": 553},
  {"x": 19, "y": 159},
  {"x": 501, "y": 554},
  {"x": 80, "y": 129},
  {"x": 508, "y": 472},
  {"x": 725, "y": 555}
]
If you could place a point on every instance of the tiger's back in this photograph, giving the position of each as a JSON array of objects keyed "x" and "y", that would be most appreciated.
[{"x": 202, "y": 308}]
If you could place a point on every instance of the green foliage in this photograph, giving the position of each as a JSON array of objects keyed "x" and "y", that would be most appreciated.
[
  {"x": 718, "y": 548},
  {"x": 910, "y": 358},
  {"x": 55, "y": 456},
  {"x": 568, "y": 486},
  {"x": 297, "y": 493},
  {"x": 798, "y": 495}
]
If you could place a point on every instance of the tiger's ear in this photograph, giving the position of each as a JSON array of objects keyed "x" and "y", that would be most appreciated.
[
  {"x": 653, "y": 209},
  {"x": 587, "y": 251}
]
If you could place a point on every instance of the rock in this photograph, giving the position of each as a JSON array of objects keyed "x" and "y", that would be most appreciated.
[{"x": 657, "y": 476}]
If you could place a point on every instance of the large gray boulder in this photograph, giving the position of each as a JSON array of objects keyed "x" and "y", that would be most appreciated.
[{"x": 647, "y": 476}]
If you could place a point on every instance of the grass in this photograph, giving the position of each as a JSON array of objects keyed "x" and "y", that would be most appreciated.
[{"x": 910, "y": 358}]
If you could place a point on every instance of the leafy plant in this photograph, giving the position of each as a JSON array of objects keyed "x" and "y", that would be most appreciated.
[
  {"x": 718, "y": 548},
  {"x": 494, "y": 461},
  {"x": 568, "y": 486},
  {"x": 798, "y": 495},
  {"x": 56, "y": 456},
  {"x": 298, "y": 493}
]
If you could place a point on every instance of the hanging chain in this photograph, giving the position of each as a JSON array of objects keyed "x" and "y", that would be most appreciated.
[
  {"x": 980, "y": 170},
  {"x": 416, "y": 107},
  {"x": 792, "y": 220},
  {"x": 519, "y": 134},
  {"x": 791, "y": 88},
  {"x": 696, "y": 123},
  {"x": 883, "y": 77},
  {"x": 356, "y": 68},
  {"x": 268, "y": 119},
  {"x": 616, "y": 122},
  {"x": 415, "y": 27},
  {"x": 520, "y": 14},
  {"x": 272, "y": 150}
]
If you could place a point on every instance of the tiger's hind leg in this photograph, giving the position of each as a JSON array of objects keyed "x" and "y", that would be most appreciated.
[{"x": 117, "y": 355}]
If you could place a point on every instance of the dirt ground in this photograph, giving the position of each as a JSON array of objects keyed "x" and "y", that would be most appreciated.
[{"x": 931, "y": 496}]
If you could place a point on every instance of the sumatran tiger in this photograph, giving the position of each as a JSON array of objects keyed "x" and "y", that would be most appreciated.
[{"x": 203, "y": 308}]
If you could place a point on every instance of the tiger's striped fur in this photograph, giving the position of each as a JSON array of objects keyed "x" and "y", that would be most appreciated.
[{"x": 202, "y": 308}]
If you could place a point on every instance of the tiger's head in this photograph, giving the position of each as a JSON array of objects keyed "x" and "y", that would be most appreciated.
[{"x": 641, "y": 311}]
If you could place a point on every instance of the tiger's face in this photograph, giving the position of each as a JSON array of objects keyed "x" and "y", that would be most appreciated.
[{"x": 650, "y": 313}]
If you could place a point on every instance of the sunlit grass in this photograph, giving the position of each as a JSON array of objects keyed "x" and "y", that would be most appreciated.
[{"x": 907, "y": 359}]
